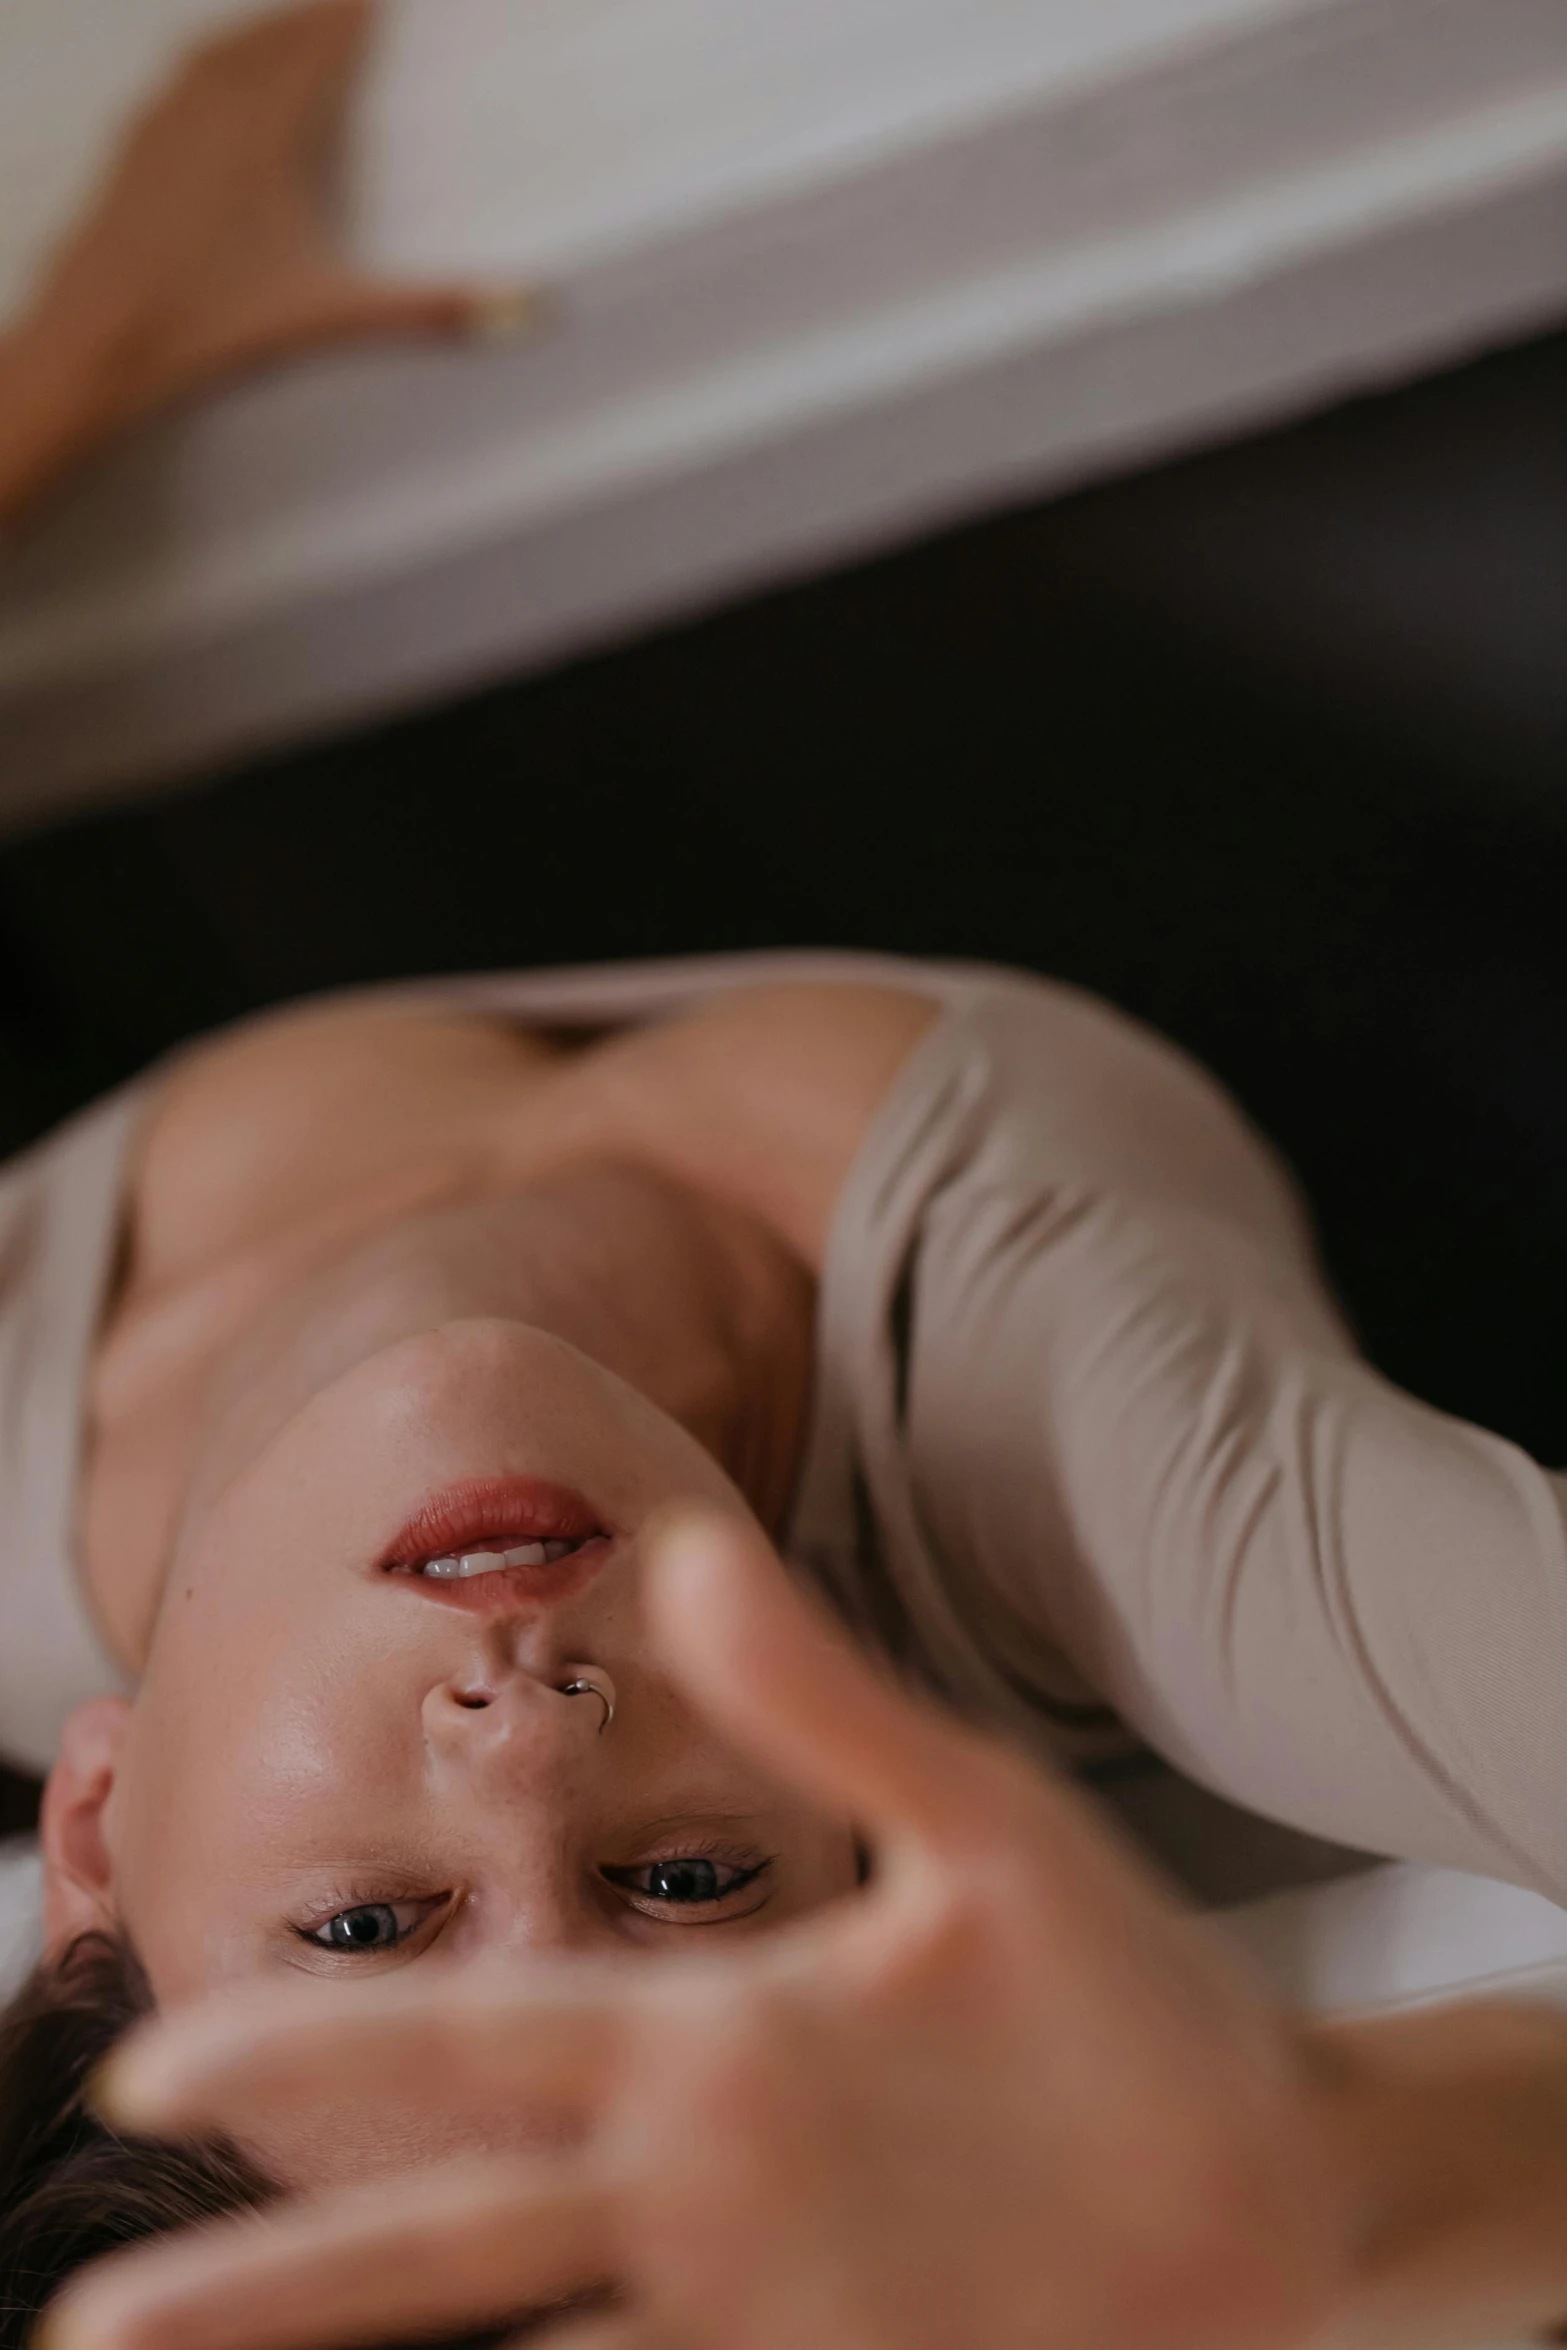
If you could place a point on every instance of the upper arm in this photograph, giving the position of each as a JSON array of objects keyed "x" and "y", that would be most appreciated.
[
  {"x": 1137, "y": 1430},
  {"x": 1308, "y": 1589}
]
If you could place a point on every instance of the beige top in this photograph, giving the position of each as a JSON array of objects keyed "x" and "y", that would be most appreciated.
[{"x": 1092, "y": 1451}]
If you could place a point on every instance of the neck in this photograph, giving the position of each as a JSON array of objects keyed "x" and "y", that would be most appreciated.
[{"x": 692, "y": 1302}]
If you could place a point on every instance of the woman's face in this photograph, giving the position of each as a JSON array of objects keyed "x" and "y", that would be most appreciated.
[{"x": 338, "y": 1765}]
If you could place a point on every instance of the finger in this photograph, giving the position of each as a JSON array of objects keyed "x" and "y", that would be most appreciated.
[
  {"x": 769, "y": 1666},
  {"x": 354, "y": 309},
  {"x": 330, "y": 308},
  {"x": 544, "y": 2039},
  {"x": 309, "y": 51},
  {"x": 278, "y": 85},
  {"x": 445, "y": 2248},
  {"x": 326, "y": 52}
]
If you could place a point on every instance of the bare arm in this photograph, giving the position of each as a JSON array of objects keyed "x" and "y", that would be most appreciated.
[{"x": 205, "y": 252}]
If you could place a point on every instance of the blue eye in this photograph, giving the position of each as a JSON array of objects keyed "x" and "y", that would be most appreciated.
[
  {"x": 372, "y": 1926},
  {"x": 686, "y": 1881}
]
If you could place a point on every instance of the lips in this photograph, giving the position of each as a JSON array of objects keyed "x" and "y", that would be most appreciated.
[{"x": 550, "y": 1537}]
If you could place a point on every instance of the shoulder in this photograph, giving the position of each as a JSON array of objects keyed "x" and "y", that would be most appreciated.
[{"x": 842, "y": 1038}]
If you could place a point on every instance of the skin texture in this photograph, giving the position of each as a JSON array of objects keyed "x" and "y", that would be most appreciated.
[{"x": 281, "y": 1148}]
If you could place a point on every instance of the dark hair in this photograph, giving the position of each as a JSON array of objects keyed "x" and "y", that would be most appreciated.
[{"x": 71, "y": 2188}]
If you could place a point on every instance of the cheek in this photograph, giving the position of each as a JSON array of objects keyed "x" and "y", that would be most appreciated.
[
  {"x": 273, "y": 1674},
  {"x": 232, "y": 1778},
  {"x": 271, "y": 1726}
]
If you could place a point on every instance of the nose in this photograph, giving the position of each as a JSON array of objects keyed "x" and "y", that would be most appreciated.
[
  {"x": 508, "y": 1755},
  {"x": 507, "y": 1730}
]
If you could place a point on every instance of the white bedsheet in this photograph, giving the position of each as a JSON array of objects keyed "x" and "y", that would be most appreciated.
[{"x": 19, "y": 1899}]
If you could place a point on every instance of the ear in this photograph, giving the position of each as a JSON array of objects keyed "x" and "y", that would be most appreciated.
[{"x": 78, "y": 1866}]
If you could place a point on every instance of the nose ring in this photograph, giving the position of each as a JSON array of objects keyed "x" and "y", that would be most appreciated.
[{"x": 591, "y": 1681}]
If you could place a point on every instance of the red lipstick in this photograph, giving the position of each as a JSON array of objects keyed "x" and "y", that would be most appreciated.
[{"x": 492, "y": 1512}]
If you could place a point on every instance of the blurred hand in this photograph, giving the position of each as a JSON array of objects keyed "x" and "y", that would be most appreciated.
[
  {"x": 207, "y": 245},
  {"x": 1008, "y": 2095},
  {"x": 207, "y": 250}
]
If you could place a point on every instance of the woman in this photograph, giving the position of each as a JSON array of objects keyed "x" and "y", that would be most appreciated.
[
  {"x": 424, "y": 1316},
  {"x": 353, "y": 1357},
  {"x": 1081, "y": 1431}
]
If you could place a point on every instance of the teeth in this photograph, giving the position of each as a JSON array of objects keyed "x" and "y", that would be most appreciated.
[{"x": 490, "y": 1562}]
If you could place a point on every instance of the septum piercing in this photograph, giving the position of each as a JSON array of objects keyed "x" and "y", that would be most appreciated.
[{"x": 592, "y": 1681}]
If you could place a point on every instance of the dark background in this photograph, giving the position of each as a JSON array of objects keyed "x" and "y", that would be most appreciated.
[{"x": 1269, "y": 746}]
